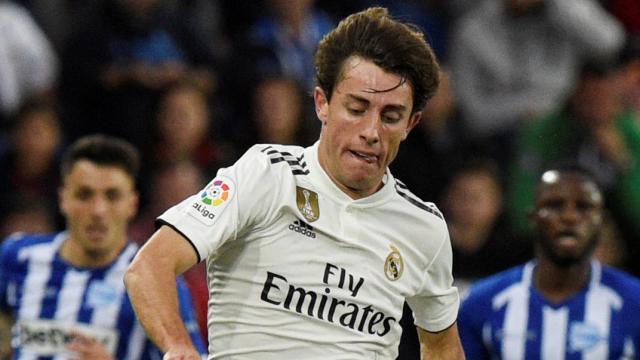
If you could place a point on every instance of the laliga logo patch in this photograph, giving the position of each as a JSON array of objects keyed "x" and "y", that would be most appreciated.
[
  {"x": 394, "y": 265},
  {"x": 307, "y": 202},
  {"x": 212, "y": 200},
  {"x": 216, "y": 193}
]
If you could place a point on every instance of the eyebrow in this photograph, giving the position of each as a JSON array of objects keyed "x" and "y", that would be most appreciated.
[{"x": 390, "y": 107}]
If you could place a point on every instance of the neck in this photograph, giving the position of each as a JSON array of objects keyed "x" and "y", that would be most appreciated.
[
  {"x": 78, "y": 256},
  {"x": 353, "y": 193},
  {"x": 557, "y": 283}
]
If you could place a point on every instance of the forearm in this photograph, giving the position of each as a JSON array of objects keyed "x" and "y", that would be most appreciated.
[
  {"x": 444, "y": 345},
  {"x": 153, "y": 294}
]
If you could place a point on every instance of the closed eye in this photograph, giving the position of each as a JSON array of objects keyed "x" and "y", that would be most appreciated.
[{"x": 391, "y": 119}]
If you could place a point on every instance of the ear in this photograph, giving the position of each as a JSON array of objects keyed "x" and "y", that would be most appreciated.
[
  {"x": 413, "y": 121},
  {"x": 322, "y": 104},
  {"x": 134, "y": 204},
  {"x": 62, "y": 203}
]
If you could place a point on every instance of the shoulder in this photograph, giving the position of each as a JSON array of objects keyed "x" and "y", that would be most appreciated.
[
  {"x": 18, "y": 241},
  {"x": 283, "y": 157},
  {"x": 484, "y": 289},
  {"x": 415, "y": 204},
  {"x": 16, "y": 246},
  {"x": 625, "y": 284}
]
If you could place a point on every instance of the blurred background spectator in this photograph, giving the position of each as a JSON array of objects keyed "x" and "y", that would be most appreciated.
[
  {"x": 184, "y": 130},
  {"x": 279, "y": 113},
  {"x": 28, "y": 63},
  {"x": 433, "y": 149},
  {"x": 170, "y": 184},
  {"x": 514, "y": 59},
  {"x": 26, "y": 216},
  {"x": 118, "y": 61},
  {"x": 29, "y": 162},
  {"x": 284, "y": 39},
  {"x": 481, "y": 240},
  {"x": 595, "y": 128}
]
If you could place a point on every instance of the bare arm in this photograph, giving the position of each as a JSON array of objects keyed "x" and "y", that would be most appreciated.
[
  {"x": 151, "y": 284},
  {"x": 443, "y": 345}
]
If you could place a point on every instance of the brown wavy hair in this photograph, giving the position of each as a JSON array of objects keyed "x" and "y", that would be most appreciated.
[{"x": 396, "y": 47}]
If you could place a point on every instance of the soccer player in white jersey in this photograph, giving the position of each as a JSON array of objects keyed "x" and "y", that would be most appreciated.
[
  {"x": 311, "y": 252},
  {"x": 563, "y": 304},
  {"x": 65, "y": 291}
]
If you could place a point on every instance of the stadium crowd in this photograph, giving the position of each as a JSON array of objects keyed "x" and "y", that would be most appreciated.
[{"x": 525, "y": 85}]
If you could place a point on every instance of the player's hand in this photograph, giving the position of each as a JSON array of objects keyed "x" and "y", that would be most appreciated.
[
  {"x": 182, "y": 354},
  {"x": 85, "y": 347}
]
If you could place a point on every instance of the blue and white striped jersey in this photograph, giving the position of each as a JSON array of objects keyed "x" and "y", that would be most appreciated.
[
  {"x": 50, "y": 299},
  {"x": 505, "y": 317}
]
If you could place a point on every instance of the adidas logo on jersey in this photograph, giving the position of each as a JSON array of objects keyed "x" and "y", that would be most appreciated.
[{"x": 303, "y": 228}]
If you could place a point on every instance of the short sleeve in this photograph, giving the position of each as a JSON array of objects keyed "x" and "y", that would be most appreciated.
[
  {"x": 436, "y": 307},
  {"x": 238, "y": 198}
]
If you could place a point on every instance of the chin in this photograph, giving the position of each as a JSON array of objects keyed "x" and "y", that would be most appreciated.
[
  {"x": 96, "y": 252},
  {"x": 362, "y": 184}
]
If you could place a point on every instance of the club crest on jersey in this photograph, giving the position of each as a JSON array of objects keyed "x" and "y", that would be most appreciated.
[
  {"x": 307, "y": 202},
  {"x": 211, "y": 201},
  {"x": 394, "y": 265},
  {"x": 583, "y": 336},
  {"x": 101, "y": 294}
]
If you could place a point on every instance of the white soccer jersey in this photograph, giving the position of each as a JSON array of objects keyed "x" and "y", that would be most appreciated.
[{"x": 299, "y": 270}]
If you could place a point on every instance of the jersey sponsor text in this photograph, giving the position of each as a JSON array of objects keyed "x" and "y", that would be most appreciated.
[{"x": 325, "y": 307}]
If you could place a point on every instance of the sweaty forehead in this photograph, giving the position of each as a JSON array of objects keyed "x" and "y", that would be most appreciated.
[{"x": 568, "y": 185}]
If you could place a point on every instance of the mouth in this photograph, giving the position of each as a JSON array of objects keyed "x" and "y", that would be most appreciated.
[
  {"x": 364, "y": 156},
  {"x": 567, "y": 238},
  {"x": 97, "y": 230}
]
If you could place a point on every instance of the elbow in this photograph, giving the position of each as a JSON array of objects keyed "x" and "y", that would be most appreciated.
[{"x": 133, "y": 276}]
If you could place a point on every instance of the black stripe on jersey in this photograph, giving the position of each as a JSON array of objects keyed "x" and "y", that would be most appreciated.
[
  {"x": 400, "y": 186},
  {"x": 298, "y": 165}
]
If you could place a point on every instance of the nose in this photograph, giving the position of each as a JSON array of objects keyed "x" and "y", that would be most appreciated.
[
  {"x": 570, "y": 213},
  {"x": 370, "y": 132},
  {"x": 99, "y": 206}
]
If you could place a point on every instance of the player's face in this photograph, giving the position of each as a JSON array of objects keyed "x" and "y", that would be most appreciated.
[
  {"x": 568, "y": 216},
  {"x": 98, "y": 202},
  {"x": 368, "y": 116}
]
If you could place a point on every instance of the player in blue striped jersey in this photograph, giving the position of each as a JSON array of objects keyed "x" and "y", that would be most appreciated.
[
  {"x": 564, "y": 304},
  {"x": 65, "y": 291}
]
